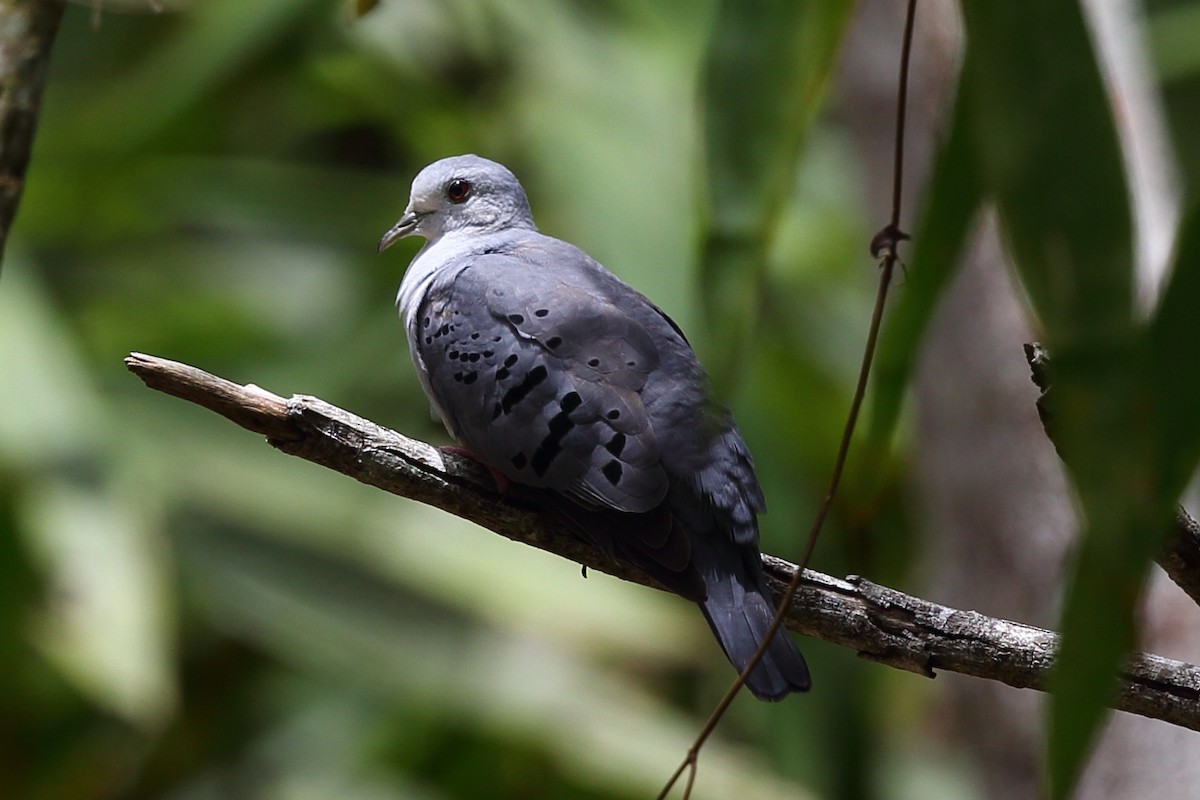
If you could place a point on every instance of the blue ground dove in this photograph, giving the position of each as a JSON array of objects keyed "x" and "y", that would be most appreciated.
[{"x": 556, "y": 374}]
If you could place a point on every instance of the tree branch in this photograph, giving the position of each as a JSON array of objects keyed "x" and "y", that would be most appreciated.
[
  {"x": 26, "y": 36},
  {"x": 881, "y": 624},
  {"x": 1180, "y": 553}
]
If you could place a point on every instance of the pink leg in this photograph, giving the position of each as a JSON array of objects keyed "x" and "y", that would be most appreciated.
[{"x": 502, "y": 481}]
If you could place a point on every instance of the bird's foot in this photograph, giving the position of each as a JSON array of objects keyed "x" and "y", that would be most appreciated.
[{"x": 502, "y": 481}]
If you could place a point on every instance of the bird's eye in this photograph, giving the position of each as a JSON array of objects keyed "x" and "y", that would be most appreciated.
[{"x": 458, "y": 191}]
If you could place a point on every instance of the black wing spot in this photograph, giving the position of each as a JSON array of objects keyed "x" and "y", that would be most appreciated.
[
  {"x": 612, "y": 471},
  {"x": 541, "y": 312},
  {"x": 497, "y": 410},
  {"x": 616, "y": 444},
  {"x": 518, "y": 392},
  {"x": 553, "y": 342},
  {"x": 470, "y": 378},
  {"x": 570, "y": 402},
  {"x": 547, "y": 451},
  {"x": 518, "y": 461},
  {"x": 593, "y": 362},
  {"x": 631, "y": 364},
  {"x": 502, "y": 374},
  {"x": 516, "y": 319},
  {"x": 452, "y": 355},
  {"x": 560, "y": 424},
  {"x": 426, "y": 322},
  {"x": 551, "y": 446},
  {"x": 489, "y": 353},
  {"x": 428, "y": 340},
  {"x": 473, "y": 357},
  {"x": 495, "y": 338},
  {"x": 511, "y": 361},
  {"x": 475, "y": 335},
  {"x": 614, "y": 414},
  {"x": 458, "y": 376}
]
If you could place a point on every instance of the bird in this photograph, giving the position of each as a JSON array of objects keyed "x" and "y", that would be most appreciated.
[{"x": 555, "y": 374}]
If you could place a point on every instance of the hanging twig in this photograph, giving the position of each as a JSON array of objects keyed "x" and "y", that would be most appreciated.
[{"x": 883, "y": 247}]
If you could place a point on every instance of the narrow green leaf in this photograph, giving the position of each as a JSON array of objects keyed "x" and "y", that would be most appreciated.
[
  {"x": 1172, "y": 378},
  {"x": 221, "y": 36},
  {"x": 1049, "y": 155},
  {"x": 767, "y": 69},
  {"x": 113, "y": 638},
  {"x": 1049, "y": 147},
  {"x": 20, "y": 586}
]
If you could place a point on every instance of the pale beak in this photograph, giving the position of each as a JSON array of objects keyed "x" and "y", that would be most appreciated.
[{"x": 405, "y": 227}]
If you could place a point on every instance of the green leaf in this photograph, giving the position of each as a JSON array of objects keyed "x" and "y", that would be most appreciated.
[
  {"x": 1049, "y": 155},
  {"x": 1171, "y": 342},
  {"x": 111, "y": 631},
  {"x": 19, "y": 586},
  {"x": 372, "y": 636},
  {"x": 52, "y": 411},
  {"x": 767, "y": 69},
  {"x": 193, "y": 60},
  {"x": 1049, "y": 149}
]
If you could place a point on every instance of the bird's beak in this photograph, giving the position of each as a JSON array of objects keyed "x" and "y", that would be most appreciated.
[{"x": 405, "y": 227}]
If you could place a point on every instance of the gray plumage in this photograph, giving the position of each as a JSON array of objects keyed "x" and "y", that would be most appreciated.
[{"x": 558, "y": 375}]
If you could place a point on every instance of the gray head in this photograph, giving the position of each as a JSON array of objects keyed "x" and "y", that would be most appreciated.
[{"x": 458, "y": 193}]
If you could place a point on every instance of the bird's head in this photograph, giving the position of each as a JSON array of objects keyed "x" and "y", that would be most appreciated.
[{"x": 458, "y": 193}]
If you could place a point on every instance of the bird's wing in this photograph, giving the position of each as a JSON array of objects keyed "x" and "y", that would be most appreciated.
[{"x": 541, "y": 377}]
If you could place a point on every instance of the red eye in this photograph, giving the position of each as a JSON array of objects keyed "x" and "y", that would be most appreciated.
[{"x": 458, "y": 190}]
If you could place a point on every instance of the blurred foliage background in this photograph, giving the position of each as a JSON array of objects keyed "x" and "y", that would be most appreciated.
[{"x": 188, "y": 614}]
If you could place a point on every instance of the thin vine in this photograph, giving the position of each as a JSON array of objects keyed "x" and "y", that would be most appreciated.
[{"x": 883, "y": 247}]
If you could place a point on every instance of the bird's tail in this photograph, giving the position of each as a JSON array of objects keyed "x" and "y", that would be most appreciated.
[
  {"x": 739, "y": 611},
  {"x": 688, "y": 552}
]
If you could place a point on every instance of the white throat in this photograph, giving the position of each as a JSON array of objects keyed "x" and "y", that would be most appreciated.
[{"x": 439, "y": 260}]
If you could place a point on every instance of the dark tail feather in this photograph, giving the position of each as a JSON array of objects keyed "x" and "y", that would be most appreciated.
[
  {"x": 692, "y": 558},
  {"x": 740, "y": 616}
]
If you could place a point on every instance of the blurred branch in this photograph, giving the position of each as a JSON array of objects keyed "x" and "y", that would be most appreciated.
[
  {"x": 27, "y": 29},
  {"x": 1180, "y": 554},
  {"x": 881, "y": 624}
]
